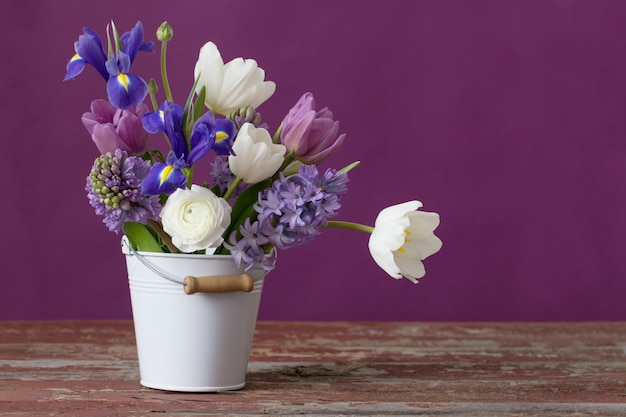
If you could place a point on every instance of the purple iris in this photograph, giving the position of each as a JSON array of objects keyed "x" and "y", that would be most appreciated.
[
  {"x": 206, "y": 134},
  {"x": 124, "y": 89}
]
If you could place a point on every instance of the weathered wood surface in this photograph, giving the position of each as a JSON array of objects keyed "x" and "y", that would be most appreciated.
[{"x": 429, "y": 369}]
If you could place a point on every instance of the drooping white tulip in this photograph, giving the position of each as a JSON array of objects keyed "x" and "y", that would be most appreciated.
[
  {"x": 233, "y": 85},
  {"x": 402, "y": 238},
  {"x": 256, "y": 156}
]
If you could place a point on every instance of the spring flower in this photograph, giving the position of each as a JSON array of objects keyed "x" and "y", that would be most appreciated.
[
  {"x": 256, "y": 156},
  {"x": 223, "y": 178},
  {"x": 402, "y": 238},
  {"x": 112, "y": 128},
  {"x": 195, "y": 218},
  {"x": 247, "y": 115},
  {"x": 114, "y": 190},
  {"x": 291, "y": 212},
  {"x": 279, "y": 197},
  {"x": 310, "y": 135},
  {"x": 206, "y": 134},
  {"x": 230, "y": 86},
  {"x": 123, "y": 88},
  {"x": 89, "y": 50}
]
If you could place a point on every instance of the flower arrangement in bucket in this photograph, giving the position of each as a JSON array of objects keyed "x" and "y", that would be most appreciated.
[{"x": 265, "y": 194}]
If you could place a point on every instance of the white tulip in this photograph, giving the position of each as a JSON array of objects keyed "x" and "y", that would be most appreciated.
[
  {"x": 195, "y": 218},
  {"x": 256, "y": 156},
  {"x": 402, "y": 238},
  {"x": 230, "y": 86}
]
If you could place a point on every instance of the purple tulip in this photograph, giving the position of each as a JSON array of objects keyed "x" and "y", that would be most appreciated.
[
  {"x": 112, "y": 128},
  {"x": 310, "y": 135}
]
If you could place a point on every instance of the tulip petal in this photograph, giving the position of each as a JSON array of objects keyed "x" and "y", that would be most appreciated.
[
  {"x": 402, "y": 238},
  {"x": 106, "y": 139},
  {"x": 231, "y": 86},
  {"x": 132, "y": 133}
]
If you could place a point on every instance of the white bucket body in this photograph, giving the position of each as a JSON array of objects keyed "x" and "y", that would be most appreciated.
[{"x": 193, "y": 343}]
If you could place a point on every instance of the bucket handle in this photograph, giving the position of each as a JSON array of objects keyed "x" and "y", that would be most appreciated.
[
  {"x": 218, "y": 283},
  {"x": 205, "y": 284}
]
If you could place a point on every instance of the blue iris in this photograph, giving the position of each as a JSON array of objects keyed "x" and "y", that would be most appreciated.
[
  {"x": 206, "y": 134},
  {"x": 124, "y": 89}
]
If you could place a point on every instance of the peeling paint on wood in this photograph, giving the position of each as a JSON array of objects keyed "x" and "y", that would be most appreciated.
[{"x": 430, "y": 369}]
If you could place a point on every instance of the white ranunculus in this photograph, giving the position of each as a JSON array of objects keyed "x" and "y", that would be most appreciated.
[
  {"x": 233, "y": 85},
  {"x": 402, "y": 238},
  {"x": 195, "y": 218},
  {"x": 256, "y": 156}
]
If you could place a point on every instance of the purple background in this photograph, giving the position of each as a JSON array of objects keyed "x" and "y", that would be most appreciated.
[{"x": 506, "y": 117}]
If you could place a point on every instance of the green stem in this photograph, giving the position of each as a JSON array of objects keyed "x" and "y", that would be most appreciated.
[
  {"x": 349, "y": 168},
  {"x": 166, "y": 84},
  {"x": 277, "y": 134},
  {"x": 189, "y": 174},
  {"x": 350, "y": 225},
  {"x": 232, "y": 188},
  {"x": 165, "y": 238},
  {"x": 153, "y": 99}
]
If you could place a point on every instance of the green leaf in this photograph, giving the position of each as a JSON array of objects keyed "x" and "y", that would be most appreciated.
[
  {"x": 186, "y": 121},
  {"x": 198, "y": 105},
  {"x": 244, "y": 208},
  {"x": 141, "y": 238}
]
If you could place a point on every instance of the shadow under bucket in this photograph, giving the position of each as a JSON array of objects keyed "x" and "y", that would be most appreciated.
[{"x": 192, "y": 343}]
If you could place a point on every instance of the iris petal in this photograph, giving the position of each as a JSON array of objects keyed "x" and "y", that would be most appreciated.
[
  {"x": 163, "y": 179},
  {"x": 133, "y": 42},
  {"x": 75, "y": 66},
  {"x": 153, "y": 121},
  {"x": 172, "y": 119},
  {"x": 224, "y": 136},
  {"x": 202, "y": 137},
  {"x": 126, "y": 90},
  {"x": 89, "y": 47}
]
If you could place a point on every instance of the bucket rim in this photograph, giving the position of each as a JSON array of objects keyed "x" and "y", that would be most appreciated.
[{"x": 126, "y": 251}]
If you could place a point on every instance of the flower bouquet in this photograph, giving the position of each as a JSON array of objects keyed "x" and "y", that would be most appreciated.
[{"x": 265, "y": 193}]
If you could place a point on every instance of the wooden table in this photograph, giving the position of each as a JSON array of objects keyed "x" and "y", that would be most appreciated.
[{"x": 66, "y": 368}]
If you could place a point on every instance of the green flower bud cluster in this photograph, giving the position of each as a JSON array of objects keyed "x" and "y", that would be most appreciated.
[
  {"x": 105, "y": 179},
  {"x": 245, "y": 115}
]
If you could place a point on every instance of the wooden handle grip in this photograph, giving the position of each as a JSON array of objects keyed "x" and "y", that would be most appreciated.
[{"x": 219, "y": 283}]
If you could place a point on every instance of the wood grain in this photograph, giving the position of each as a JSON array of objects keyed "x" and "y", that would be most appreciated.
[{"x": 308, "y": 368}]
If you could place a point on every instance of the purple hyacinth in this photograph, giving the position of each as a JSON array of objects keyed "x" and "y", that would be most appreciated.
[
  {"x": 114, "y": 190},
  {"x": 223, "y": 177},
  {"x": 290, "y": 213}
]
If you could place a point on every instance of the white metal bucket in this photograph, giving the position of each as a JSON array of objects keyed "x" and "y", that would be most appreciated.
[{"x": 193, "y": 343}]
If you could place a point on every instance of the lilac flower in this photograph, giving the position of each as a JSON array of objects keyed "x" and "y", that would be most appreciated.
[
  {"x": 124, "y": 89},
  {"x": 289, "y": 213},
  {"x": 311, "y": 136},
  {"x": 114, "y": 190},
  {"x": 112, "y": 128}
]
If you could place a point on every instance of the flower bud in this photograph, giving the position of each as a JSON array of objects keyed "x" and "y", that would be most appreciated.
[
  {"x": 152, "y": 87},
  {"x": 165, "y": 32}
]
